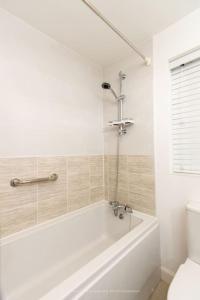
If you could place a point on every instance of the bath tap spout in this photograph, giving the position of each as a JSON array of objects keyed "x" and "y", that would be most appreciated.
[{"x": 120, "y": 209}]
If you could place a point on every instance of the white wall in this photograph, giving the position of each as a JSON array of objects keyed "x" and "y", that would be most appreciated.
[
  {"x": 172, "y": 191},
  {"x": 50, "y": 97},
  {"x": 138, "y": 88}
]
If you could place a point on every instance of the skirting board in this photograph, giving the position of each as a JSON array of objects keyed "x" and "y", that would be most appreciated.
[{"x": 167, "y": 275}]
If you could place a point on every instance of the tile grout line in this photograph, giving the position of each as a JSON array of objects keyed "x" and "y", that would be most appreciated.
[
  {"x": 108, "y": 173},
  {"x": 67, "y": 184},
  {"x": 37, "y": 192},
  {"x": 128, "y": 178},
  {"x": 104, "y": 177},
  {"x": 89, "y": 171}
]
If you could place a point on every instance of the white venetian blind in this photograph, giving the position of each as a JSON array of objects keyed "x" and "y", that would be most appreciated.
[{"x": 185, "y": 86}]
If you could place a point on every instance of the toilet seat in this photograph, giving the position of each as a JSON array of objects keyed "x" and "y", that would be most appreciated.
[{"x": 186, "y": 283}]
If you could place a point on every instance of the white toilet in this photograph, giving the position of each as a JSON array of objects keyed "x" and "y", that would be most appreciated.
[{"x": 186, "y": 283}]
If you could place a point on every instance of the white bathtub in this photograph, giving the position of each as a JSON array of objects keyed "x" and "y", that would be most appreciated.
[{"x": 89, "y": 254}]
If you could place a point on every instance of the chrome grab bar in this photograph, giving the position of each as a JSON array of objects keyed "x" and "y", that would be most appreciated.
[{"x": 16, "y": 181}]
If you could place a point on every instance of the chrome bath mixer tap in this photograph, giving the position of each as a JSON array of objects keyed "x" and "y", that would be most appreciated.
[{"x": 120, "y": 209}]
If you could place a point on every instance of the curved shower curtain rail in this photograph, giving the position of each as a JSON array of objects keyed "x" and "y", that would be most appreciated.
[{"x": 147, "y": 60}]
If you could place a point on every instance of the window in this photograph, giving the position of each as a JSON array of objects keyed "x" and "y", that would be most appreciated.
[{"x": 185, "y": 89}]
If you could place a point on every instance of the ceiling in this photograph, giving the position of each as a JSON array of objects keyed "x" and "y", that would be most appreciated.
[{"x": 73, "y": 24}]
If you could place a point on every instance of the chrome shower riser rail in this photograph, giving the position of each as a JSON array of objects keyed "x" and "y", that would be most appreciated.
[
  {"x": 147, "y": 60},
  {"x": 16, "y": 181}
]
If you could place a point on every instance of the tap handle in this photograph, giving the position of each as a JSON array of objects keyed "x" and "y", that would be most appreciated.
[
  {"x": 114, "y": 203},
  {"x": 128, "y": 209}
]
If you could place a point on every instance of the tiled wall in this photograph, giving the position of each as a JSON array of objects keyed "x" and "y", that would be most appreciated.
[
  {"x": 80, "y": 183},
  {"x": 136, "y": 181},
  {"x": 82, "y": 180}
]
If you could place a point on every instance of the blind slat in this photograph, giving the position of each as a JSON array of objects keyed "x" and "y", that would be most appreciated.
[
  {"x": 185, "y": 97},
  {"x": 183, "y": 79}
]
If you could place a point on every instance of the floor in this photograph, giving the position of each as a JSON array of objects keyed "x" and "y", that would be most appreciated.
[{"x": 160, "y": 292}]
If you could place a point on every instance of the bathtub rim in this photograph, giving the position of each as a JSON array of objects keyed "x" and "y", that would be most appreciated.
[
  {"x": 68, "y": 215},
  {"x": 99, "y": 264},
  {"x": 48, "y": 223}
]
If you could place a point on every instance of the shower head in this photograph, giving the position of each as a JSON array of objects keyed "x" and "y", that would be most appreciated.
[{"x": 107, "y": 86}]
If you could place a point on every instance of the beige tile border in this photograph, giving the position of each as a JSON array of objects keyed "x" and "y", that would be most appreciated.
[
  {"x": 82, "y": 180},
  {"x": 80, "y": 183}
]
